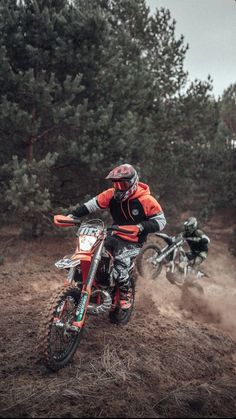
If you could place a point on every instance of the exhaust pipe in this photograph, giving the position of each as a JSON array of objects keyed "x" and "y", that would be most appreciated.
[{"x": 104, "y": 306}]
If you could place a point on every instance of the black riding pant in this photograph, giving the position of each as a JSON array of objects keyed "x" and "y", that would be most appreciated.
[
  {"x": 196, "y": 259},
  {"x": 124, "y": 253}
]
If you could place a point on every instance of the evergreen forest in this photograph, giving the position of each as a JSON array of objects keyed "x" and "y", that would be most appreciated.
[{"x": 86, "y": 85}]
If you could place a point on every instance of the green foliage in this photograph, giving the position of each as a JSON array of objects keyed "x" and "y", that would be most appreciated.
[
  {"x": 228, "y": 113},
  {"x": 101, "y": 83},
  {"x": 29, "y": 191},
  {"x": 223, "y": 164},
  {"x": 37, "y": 95}
]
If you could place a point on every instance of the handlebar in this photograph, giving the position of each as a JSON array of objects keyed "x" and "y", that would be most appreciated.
[
  {"x": 76, "y": 220},
  {"x": 67, "y": 221}
]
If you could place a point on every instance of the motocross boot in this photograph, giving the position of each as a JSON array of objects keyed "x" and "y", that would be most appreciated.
[{"x": 126, "y": 299}]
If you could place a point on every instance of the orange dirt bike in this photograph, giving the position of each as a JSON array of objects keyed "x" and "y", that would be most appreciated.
[{"x": 89, "y": 289}]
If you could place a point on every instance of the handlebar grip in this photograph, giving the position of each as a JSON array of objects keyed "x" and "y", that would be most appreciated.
[{"x": 76, "y": 220}]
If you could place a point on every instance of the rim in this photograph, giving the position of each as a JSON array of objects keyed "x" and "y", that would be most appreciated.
[
  {"x": 150, "y": 265},
  {"x": 61, "y": 339}
]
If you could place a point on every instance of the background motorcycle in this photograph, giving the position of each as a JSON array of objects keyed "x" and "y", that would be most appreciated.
[
  {"x": 89, "y": 289},
  {"x": 152, "y": 258}
]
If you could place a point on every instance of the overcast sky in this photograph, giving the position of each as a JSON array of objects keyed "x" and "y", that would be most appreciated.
[{"x": 209, "y": 27}]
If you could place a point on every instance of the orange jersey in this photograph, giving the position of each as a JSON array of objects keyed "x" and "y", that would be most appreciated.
[{"x": 140, "y": 207}]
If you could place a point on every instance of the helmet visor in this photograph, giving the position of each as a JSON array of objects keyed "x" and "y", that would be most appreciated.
[{"x": 121, "y": 186}]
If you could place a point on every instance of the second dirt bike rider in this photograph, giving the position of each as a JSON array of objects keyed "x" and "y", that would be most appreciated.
[
  {"x": 130, "y": 203},
  {"x": 198, "y": 243}
]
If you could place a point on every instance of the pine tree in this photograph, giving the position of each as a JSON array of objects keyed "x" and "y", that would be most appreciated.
[
  {"x": 37, "y": 102},
  {"x": 37, "y": 90},
  {"x": 99, "y": 83},
  {"x": 28, "y": 194}
]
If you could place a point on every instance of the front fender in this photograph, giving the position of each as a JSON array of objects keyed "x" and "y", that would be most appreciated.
[
  {"x": 66, "y": 263},
  {"x": 71, "y": 261}
]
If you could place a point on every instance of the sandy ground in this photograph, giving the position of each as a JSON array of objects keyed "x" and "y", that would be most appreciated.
[{"x": 176, "y": 357}]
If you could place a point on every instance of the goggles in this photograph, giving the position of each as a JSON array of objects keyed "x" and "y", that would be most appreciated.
[{"x": 121, "y": 186}]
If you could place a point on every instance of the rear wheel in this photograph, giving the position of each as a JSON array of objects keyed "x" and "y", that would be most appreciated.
[
  {"x": 147, "y": 264},
  {"x": 58, "y": 340}
]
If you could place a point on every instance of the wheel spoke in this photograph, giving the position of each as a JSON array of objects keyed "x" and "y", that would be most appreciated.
[{"x": 59, "y": 340}]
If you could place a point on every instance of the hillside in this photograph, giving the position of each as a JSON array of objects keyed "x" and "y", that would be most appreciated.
[{"x": 176, "y": 357}]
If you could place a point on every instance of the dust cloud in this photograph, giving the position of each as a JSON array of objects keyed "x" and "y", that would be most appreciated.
[{"x": 217, "y": 306}]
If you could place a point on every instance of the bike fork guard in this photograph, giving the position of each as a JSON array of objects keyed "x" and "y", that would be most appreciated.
[
  {"x": 85, "y": 296},
  {"x": 88, "y": 272},
  {"x": 82, "y": 307}
]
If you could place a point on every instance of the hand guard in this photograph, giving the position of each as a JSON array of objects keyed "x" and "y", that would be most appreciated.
[{"x": 131, "y": 235}]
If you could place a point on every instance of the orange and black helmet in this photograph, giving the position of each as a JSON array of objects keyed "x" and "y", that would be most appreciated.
[{"x": 125, "y": 181}]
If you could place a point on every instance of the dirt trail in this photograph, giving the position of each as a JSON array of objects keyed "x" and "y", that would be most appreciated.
[
  {"x": 175, "y": 358},
  {"x": 217, "y": 306}
]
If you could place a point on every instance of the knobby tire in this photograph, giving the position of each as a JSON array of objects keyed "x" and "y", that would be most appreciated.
[
  {"x": 50, "y": 357},
  {"x": 141, "y": 263}
]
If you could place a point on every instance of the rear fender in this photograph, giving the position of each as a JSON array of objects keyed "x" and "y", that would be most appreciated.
[{"x": 165, "y": 237}]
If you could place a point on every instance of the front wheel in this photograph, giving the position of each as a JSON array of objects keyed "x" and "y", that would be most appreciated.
[
  {"x": 58, "y": 339},
  {"x": 146, "y": 261}
]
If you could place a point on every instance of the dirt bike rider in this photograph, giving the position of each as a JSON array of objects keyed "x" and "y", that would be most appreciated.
[
  {"x": 198, "y": 243},
  {"x": 130, "y": 203}
]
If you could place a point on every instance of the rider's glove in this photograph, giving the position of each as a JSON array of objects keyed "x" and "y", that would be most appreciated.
[
  {"x": 111, "y": 232},
  {"x": 141, "y": 229},
  {"x": 70, "y": 215}
]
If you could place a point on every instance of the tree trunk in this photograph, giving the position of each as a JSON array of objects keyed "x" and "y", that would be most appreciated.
[{"x": 32, "y": 140}]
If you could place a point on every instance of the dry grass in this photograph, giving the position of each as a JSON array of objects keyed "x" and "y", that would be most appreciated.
[
  {"x": 159, "y": 365},
  {"x": 202, "y": 398},
  {"x": 92, "y": 387}
]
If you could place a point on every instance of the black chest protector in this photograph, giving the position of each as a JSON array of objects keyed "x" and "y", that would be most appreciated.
[{"x": 127, "y": 212}]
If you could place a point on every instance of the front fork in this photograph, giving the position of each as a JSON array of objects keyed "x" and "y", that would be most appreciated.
[
  {"x": 69, "y": 278},
  {"x": 87, "y": 288},
  {"x": 71, "y": 274},
  {"x": 170, "y": 266}
]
